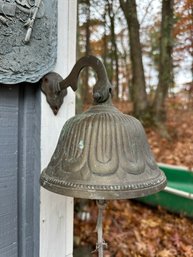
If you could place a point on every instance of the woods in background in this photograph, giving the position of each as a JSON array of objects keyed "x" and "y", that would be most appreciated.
[{"x": 144, "y": 46}]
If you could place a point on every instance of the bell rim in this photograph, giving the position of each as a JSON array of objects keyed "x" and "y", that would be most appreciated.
[{"x": 109, "y": 192}]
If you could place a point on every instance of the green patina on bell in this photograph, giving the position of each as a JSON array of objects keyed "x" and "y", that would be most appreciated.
[{"x": 101, "y": 153}]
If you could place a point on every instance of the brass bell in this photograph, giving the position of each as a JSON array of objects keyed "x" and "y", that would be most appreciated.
[{"x": 101, "y": 153}]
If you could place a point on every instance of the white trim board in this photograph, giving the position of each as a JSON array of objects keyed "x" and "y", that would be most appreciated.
[{"x": 56, "y": 211}]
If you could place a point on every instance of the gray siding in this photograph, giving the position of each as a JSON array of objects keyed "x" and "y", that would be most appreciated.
[{"x": 19, "y": 170}]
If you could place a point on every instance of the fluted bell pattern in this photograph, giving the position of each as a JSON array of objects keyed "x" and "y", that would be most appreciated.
[{"x": 103, "y": 154}]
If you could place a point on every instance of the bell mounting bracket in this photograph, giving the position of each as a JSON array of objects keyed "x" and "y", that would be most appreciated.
[{"x": 55, "y": 87}]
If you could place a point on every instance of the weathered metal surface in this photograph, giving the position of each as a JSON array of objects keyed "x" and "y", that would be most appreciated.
[
  {"x": 50, "y": 87},
  {"x": 30, "y": 22},
  {"x": 7, "y": 8},
  {"x": 102, "y": 87},
  {"x": 24, "y": 3},
  {"x": 102, "y": 153},
  {"x": 19, "y": 170},
  {"x": 26, "y": 54},
  {"x": 55, "y": 88}
]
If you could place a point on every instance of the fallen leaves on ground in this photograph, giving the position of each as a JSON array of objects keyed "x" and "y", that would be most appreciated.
[
  {"x": 179, "y": 149},
  {"x": 135, "y": 230}
]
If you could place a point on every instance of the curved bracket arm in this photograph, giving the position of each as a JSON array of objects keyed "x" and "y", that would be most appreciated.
[
  {"x": 101, "y": 89},
  {"x": 55, "y": 88}
]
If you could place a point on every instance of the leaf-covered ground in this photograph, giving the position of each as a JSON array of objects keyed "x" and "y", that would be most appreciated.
[
  {"x": 136, "y": 230},
  {"x": 178, "y": 150}
]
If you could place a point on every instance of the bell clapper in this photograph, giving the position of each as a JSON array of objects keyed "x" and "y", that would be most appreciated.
[{"x": 101, "y": 243}]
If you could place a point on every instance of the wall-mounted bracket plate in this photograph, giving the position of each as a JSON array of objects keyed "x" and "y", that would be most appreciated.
[{"x": 50, "y": 87}]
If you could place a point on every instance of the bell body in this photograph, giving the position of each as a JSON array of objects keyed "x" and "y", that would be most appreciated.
[{"x": 103, "y": 154}]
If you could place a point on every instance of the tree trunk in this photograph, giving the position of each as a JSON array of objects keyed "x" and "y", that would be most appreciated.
[
  {"x": 138, "y": 90},
  {"x": 85, "y": 87},
  {"x": 82, "y": 93},
  {"x": 165, "y": 62},
  {"x": 105, "y": 48},
  {"x": 191, "y": 52},
  {"x": 114, "y": 45},
  {"x": 79, "y": 100}
]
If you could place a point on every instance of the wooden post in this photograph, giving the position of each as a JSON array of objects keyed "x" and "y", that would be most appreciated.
[{"x": 56, "y": 211}]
